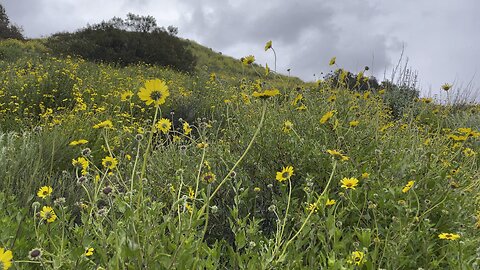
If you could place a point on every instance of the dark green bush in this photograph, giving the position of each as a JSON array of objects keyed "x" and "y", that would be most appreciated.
[{"x": 124, "y": 43}]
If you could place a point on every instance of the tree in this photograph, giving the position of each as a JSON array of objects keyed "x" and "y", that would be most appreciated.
[{"x": 8, "y": 30}]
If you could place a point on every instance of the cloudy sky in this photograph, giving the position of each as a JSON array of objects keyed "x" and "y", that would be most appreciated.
[{"x": 440, "y": 38}]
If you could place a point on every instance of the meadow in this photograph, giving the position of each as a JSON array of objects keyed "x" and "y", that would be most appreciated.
[{"x": 232, "y": 166}]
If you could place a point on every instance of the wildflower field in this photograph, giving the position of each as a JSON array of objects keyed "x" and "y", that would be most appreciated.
[{"x": 232, "y": 166}]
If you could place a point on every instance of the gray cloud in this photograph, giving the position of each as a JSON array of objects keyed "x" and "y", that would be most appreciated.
[{"x": 440, "y": 37}]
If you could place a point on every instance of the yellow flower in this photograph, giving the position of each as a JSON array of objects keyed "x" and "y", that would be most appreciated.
[
  {"x": 164, "y": 125},
  {"x": 80, "y": 163},
  {"x": 268, "y": 45},
  {"x": 191, "y": 193},
  {"x": 326, "y": 117},
  {"x": 446, "y": 86},
  {"x": 155, "y": 92},
  {"x": 267, "y": 70},
  {"x": 213, "y": 76},
  {"x": 104, "y": 124},
  {"x": 248, "y": 60},
  {"x": 126, "y": 95},
  {"x": 79, "y": 142},
  {"x": 109, "y": 162},
  {"x": 468, "y": 152},
  {"x": 186, "y": 128},
  {"x": 257, "y": 189},
  {"x": 338, "y": 155},
  {"x": 408, "y": 186},
  {"x": 349, "y": 183},
  {"x": 208, "y": 177},
  {"x": 312, "y": 207},
  {"x": 354, "y": 123},
  {"x": 332, "y": 61},
  {"x": 365, "y": 175},
  {"x": 202, "y": 145},
  {"x": 266, "y": 94},
  {"x": 357, "y": 258},
  {"x": 285, "y": 174},
  {"x": 287, "y": 126},
  {"x": 5, "y": 258},
  {"x": 47, "y": 213},
  {"x": 89, "y": 251},
  {"x": 44, "y": 192},
  {"x": 449, "y": 236},
  {"x": 330, "y": 202}
]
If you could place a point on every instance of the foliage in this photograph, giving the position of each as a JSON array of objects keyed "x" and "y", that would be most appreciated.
[
  {"x": 236, "y": 182},
  {"x": 125, "y": 42},
  {"x": 7, "y": 29}
]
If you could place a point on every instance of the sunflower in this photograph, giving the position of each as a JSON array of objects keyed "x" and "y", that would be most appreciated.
[
  {"x": 164, "y": 125},
  {"x": 79, "y": 142},
  {"x": 155, "y": 92},
  {"x": 449, "y": 236},
  {"x": 104, "y": 124},
  {"x": 266, "y": 94},
  {"x": 248, "y": 60},
  {"x": 89, "y": 252},
  {"x": 332, "y": 61},
  {"x": 5, "y": 259},
  {"x": 47, "y": 213},
  {"x": 126, "y": 95},
  {"x": 349, "y": 183},
  {"x": 338, "y": 155},
  {"x": 287, "y": 126},
  {"x": 80, "y": 163},
  {"x": 408, "y": 186},
  {"x": 44, "y": 192},
  {"x": 186, "y": 128},
  {"x": 326, "y": 117},
  {"x": 354, "y": 123},
  {"x": 285, "y": 174},
  {"x": 330, "y": 202},
  {"x": 357, "y": 258},
  {"x": 268, "y": 45},
  {"x": 446, "y": 86},
  {"x": 109, "y": 162},
  {"x": 208, "y": 177}
]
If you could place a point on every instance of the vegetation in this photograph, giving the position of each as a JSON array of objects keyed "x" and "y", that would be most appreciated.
[
  {"x": 134, "y": 40},
  {"x": 231, "y": 167},
  {"x": 7, "y": 29}
]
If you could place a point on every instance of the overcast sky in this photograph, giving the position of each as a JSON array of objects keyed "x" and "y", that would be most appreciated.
[{"x": 441, "y": 38}]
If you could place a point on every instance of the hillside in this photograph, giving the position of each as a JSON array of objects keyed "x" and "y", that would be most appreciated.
[{"x": 145, "y": 167}]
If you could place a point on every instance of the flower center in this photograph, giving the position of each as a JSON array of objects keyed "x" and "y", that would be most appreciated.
[
  {"x": 156, "y": 95},
  {"x": 35, "y": 253},
  {"x": 285, "y": 175}
]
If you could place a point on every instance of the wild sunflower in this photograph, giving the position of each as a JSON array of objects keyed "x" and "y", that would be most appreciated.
[
  {"x": 357, "y": 258},
  {"x": 164, "y": 125},
  {"x": 126, "y": 95},
  {"x": 109, "y": 162},
  {"x": 186, "y": 128},
  {"x": 5, "y": 259},
  {"x": 330, "y": 202},
  {"x": 449, "y": 236},
  {"x": 349, "y": 183},
  {"x": 48, "y": 214},
  {"x": 326, "y": 117},
  {"x": 354, "y": 123},
  {"x": 268, "y": 45},
  {"x": 446, "y": 86},
  {"x": 332, "y": 61},
  {"x": 35, "y": 254},
  {"x": 338, "y": 155},
  {"x": 81, "y": 163},
  {"x": 105, "y": 124},
  {"x": 287, "y": 126},
  {"x": 44, "y": 192},
  {"x": 408, "y": 186},
  {"x": 208, "y": 177},
  {"x": 248, "y": 60},
  {"x": 89, "y": 252},
  {"x": 155, "y": 92},
  {"x": 285, "y": 174},
  {"x": 78, "y": 142},
  {"x": 266, "y": 94}
]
